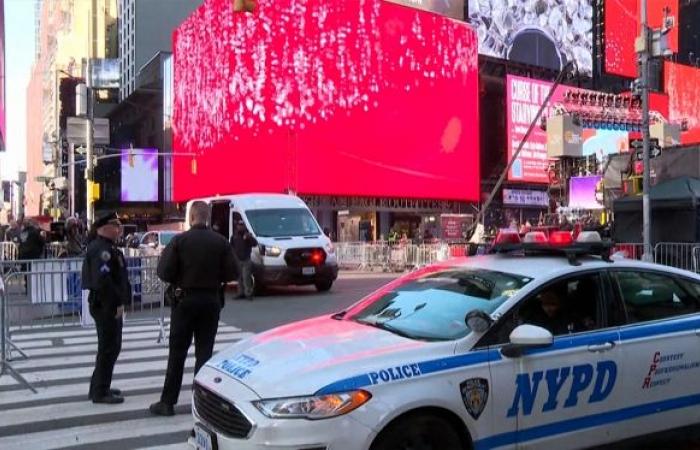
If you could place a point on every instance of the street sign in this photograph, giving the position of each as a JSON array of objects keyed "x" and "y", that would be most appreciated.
[
  {"x": 76, "y": 131},
  {"x": 637, "y": 145}
]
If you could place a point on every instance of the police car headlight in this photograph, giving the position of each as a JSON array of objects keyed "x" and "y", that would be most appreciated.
[{"x": 315, "y": 407}]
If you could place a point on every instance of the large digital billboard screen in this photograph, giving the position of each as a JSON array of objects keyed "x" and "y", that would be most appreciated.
[
  {"x": 682, "y": 84},
  {"x": 583, "y": 193},
  {"x": 524, "y": 97},
  {"x": 546, "y": 33},
  {"x": 331, "y": 98},
  {"x": 622, "y": 28},
  {"x": 139, "y": 181},
  {"x": 449, "y": 8}
]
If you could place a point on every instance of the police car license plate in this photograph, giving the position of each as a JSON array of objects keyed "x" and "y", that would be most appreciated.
[
  {"x": 308, "y": 271},
  {"x": 203, "y": 438}
]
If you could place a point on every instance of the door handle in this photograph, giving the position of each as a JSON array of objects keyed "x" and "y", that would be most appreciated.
[{"x": 607, "y": 346}]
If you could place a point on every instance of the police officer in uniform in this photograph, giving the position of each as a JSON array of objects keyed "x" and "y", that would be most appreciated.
[
  {"x": 105, "y": 275},
  {"x": 198, "y": 263}
]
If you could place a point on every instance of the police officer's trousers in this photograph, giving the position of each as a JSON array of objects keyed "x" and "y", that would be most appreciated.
[
  {"x": 109, "y": 344},
  {"x": 196, "y": 315}
]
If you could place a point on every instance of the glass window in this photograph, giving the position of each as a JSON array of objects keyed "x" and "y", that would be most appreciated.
[
  {"x": 282, "y": 222},
  {"x": 435, "y": 306},
  {"x": 166, "y": 237},
  {"x": 564, "y": 307},
  {"x": 652, "y": 296}
]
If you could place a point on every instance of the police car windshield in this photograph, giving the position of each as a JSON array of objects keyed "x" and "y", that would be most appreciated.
[
  {"x": 434, "y": 307},
  {"x": 283, "y": 222},
  {"x": 165, "y": 238}
]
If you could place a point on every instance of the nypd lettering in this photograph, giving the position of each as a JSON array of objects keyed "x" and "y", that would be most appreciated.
[
  {"x": 579, "y": 379},
  {"x": 395, "y": 373},
  {"x": 239, "y": 367}
]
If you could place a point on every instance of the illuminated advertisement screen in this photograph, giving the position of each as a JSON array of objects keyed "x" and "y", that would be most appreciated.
[
  {"x": 546, "y": 33},
  {"x": 524, "y": 97},
  {"x": 582, "y": 193},
  {"x": 449, "y": 8},
  {"x": 359, "y": 98},
  {"x": 139, "y": 167},
  {"x": 622, "y": 28},
  {"x": 682, "y": 84}
]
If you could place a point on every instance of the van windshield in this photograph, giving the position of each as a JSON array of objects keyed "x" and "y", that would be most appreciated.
[{"x": 283, "y": 222}]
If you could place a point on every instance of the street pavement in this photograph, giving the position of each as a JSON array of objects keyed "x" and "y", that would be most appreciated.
[{"x": 61, "y": 360}]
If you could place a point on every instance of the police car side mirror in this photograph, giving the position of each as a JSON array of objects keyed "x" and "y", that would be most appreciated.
[
  {"x": 526, "y": 337},
  {"x": 478, "y": 321}
]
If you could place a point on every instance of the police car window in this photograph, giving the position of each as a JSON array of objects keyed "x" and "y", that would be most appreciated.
[
  {"x": 283, "y": 222},
  {"x": 434, "y": 307},
  {"x": 564, "y": 307},
  {"x": 652, "y": 296}
]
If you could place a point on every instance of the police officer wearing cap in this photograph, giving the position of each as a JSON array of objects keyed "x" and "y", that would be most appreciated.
[
  {"x": 105, "y": 275},
  {"x": 198, "y": 263}
]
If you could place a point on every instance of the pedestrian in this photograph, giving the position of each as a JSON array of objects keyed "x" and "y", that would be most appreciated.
[
  {"x": 243, "y": 243},
  {"x": 105, "y": 275},
  {"x": 13, "y": 233},
  {"x": 31, "y": 242},
  {"x": 75, "y": 242},
  {"x": 197, "y": 263}
]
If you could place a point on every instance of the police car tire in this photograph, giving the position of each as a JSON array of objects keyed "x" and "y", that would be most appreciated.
[
  {"x": 417, "y": 430},
  {"x": 324, "y": 286}
]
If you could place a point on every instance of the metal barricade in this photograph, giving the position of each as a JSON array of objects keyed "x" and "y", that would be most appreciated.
[
  {"x": 678, "y": 255},
  {"x": 630, "y": 250},
  {"x": 8, "y": 251},
  {"x": 47, "y": 293}
]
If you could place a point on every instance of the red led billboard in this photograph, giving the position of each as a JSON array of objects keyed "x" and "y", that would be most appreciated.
[
  {"x": 339, "y": 98},
  {"x": 622, "y": 28},
  {"x": 682, "y": 84}
]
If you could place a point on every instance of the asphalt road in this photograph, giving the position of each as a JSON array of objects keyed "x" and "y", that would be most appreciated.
[{"x": 284, "y": 305}]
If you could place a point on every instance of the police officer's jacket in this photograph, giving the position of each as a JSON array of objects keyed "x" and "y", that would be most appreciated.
[
  {"x": 197, "y": 259},
  {"x": 105, "y": 274}
]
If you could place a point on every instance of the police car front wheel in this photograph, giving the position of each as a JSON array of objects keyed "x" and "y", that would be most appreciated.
[{"x": 419, "y": 433}]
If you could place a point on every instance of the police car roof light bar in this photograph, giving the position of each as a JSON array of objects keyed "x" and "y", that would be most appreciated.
[
  {"x": 559, "y": 243},
  {"x": 535, "y": 237},
  {"x": 561, "y": 239}
]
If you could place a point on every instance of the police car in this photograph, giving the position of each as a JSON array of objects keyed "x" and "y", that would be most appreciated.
[{"x": 544, "y": 344}]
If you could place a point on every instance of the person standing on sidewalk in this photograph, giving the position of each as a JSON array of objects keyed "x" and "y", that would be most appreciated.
[
  {"x": 243, "y": 243},
  {"x": 197, "y": 263},
  {"x": 105, "y": 275}
]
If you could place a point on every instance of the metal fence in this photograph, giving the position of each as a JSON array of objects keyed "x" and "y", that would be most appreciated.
[
  {"x": 47, "y": 293},
  {"x": 395, "y": 257}
]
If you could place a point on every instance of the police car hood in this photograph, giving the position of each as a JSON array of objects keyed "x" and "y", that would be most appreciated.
[{"x": 304, "y": 357}]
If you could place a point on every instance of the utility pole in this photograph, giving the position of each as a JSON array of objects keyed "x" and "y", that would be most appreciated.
[
  {"x": 89, "y": 154},
  {"x": 649, "y": 44},
  {"x": 643, "y": 45}
]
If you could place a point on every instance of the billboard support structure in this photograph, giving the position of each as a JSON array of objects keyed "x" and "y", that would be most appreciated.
[{"x": 514, "y": 156}]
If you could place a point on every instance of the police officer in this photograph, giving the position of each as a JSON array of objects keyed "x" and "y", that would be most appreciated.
[
  {"x": 198, "y": 263},
  {"x": 105, "y": 275}
]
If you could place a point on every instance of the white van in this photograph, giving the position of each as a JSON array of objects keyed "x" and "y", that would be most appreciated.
[{"x": 292, "y": 250}]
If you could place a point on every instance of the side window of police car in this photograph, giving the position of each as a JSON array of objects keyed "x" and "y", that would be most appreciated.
[
  {"x": 651, "y": 296},
  {"x": 564, "y": 307}
]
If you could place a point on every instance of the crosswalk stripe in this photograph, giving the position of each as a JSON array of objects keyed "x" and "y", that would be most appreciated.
[
  {"x": 60, "y": 364},
  {"x": 48, "y": 349},
  {"x": 94, "y": 434},
  {"x": 81, "y": 332},
  {"x": 89, "y": 359}
]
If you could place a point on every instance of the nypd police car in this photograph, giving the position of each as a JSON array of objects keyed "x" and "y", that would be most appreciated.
[{"x": 546, "y": 344}]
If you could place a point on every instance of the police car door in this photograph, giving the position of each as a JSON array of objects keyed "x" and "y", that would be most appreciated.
[
  {"x": 551, "y": 397},
  {"x": 661, "y": 350}
]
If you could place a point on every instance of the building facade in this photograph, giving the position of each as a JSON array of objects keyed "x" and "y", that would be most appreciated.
[{"x": 64, "y": 43}]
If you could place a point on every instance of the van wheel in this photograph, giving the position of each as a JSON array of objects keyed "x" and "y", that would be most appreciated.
[
  {"x": 324, "y": 285},
  {"x": 418, "y": 433}
]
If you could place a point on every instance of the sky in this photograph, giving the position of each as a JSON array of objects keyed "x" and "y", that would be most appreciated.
[{"x": 19, "y": 56}]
